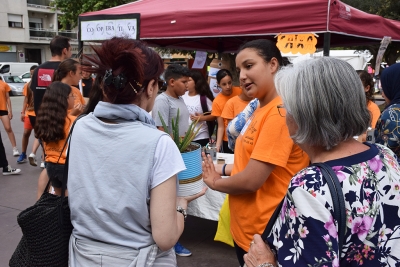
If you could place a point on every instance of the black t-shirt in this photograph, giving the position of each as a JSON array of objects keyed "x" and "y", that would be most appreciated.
[
  {"x": 41, "y": 78},
  {"x": 86, "y": 86}
]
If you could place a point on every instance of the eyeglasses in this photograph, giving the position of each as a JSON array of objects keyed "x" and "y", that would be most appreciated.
[{"x": 281, "y": 110}]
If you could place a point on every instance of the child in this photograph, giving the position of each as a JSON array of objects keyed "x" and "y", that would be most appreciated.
[
  {"x": 52, "y": 127},
  {"x": 27, "y": 112},
  {"x": 6, "y": 114},
  {"x": 69, "y": 72},
  {"x": 224, "y": 80}
]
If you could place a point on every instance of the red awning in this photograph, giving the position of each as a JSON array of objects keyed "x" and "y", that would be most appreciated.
[{"x": 217, "y": 25}]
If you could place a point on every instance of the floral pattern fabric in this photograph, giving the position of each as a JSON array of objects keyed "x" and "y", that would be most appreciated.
[
  {"x": 306, "y": 233},
  {"x": 387, "y": 130}
]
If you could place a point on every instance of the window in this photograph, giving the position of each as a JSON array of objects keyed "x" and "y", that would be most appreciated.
[
  {"x": 35, "y": 23},
  {"x": 14, "y": 21}
]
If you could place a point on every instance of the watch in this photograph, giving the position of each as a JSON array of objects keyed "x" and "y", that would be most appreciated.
[
  {"x": 266, "y": 264},
  {"x": 183, "y": 211}
]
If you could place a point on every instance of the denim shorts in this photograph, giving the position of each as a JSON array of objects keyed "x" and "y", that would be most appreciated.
[{"x": 55, "y": 172}]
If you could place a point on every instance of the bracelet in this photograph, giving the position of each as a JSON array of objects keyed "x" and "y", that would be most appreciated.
[
  {"x": 223, "y": 170},
  {"x": 266, "y": 264}
]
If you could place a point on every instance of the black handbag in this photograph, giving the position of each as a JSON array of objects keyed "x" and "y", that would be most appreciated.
[
  {"x": 339, "y": 208},
  {"x": 46, "y": 228}
]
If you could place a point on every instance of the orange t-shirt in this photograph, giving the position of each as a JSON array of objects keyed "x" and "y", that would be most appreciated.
[
  {"x": 4, "y": 89},
  {"x": 28, "y": 111},
  {"x": 265, "y": 137},
  {"x": 78, "y": 96},
  {"x": 219, "y": 103},
  {"x": 53, "y": 149},
  {"x": 375, "y": 113},
  {"x": 232, "y": 108}
]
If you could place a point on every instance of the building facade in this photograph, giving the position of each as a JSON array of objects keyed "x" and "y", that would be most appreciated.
[{"x": 26, "y": 28}]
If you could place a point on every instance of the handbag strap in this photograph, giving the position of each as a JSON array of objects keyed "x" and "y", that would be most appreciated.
[
  {"x": 65, "y": 174},
  {"x": 203, "y": 102},
  {"x": 339, "y": 208}
]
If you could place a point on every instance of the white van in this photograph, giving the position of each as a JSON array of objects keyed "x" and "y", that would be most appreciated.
[{"x": 15, "y": 68}]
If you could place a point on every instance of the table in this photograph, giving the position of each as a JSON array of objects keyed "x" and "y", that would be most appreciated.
[{"x": 208, "y": 206}]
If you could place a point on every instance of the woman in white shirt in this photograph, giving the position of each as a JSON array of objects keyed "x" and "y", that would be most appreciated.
[{"x": 198, "y": 100}]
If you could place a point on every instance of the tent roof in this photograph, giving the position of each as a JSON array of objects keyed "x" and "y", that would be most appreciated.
[{"x": 217, "y": 25}]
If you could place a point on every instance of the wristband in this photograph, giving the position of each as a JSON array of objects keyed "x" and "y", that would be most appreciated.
[{"x": 223, "y": 170}]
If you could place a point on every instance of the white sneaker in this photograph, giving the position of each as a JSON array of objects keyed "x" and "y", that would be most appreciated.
[
  {"x": 15, "y": 152},
  {"x": 11, "y": 171},
  {"x": 32, "y": 159},
  {"x": 42, "y": 165}
]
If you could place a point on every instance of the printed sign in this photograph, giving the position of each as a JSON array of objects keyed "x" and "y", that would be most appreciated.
[
  {"x": 297, "y": 43},
  {"x": 98, "y": 30}
]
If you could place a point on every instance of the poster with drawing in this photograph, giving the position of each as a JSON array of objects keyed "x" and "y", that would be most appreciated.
[
  {"x": 199, "y": 60},
  {"x": 214, "y": 86}
]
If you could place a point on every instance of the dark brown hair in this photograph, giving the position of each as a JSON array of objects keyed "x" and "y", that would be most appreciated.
[
  {"x": 57, "y": 45},
  {"x": 132, "y": 58},
  {"x": 366, "y": 80},
  {"x": 64, "y": 68},
  {"x": 52, "y": 113}
]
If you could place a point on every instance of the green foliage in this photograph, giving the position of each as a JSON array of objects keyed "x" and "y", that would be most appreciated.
[
  {"x": 73, "y": 8},
  {"x": 182, "y": 142}
]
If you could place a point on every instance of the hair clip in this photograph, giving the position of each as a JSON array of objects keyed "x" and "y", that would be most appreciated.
[
  {"x": 118, "y": 81},
  {"x": 133, "y": 87}
]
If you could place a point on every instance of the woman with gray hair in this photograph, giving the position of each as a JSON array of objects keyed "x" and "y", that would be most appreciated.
[{"x": 325, "y": 107}]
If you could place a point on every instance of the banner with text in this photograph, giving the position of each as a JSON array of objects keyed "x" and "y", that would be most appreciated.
[{"x": 99, "y": 28}]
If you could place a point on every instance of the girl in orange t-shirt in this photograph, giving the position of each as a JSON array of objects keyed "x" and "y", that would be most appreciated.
[
  {"x": 52, "y": 127},
  {"x": 265, "y": 156},
  {"x": 373, "y": 108},
  {"x": 224, "y": 80},
  {"x": 69, "y": 72}
]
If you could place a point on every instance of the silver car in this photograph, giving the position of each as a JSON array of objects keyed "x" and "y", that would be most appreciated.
[{"x": 16, "y": 84}]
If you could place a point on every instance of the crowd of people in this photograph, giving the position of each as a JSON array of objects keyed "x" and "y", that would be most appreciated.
[{"x": 278, "y": 123}]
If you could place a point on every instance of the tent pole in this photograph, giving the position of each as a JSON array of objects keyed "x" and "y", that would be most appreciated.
[
  {"x": 80, "y": 49},
  {"x": 327, "y": 43}
]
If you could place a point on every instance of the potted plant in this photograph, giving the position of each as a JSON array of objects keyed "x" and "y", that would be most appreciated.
[{"x": 190, "y": 180}]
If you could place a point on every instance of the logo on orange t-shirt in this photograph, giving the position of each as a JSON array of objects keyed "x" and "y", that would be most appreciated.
[{"x": 45, "y": 77}]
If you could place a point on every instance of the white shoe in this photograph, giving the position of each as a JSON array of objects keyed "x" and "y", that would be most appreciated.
[
  {"x": 15, "y": 152},
  {"x": 42, "y": 165},
  {"x": 11, "y": 171},
  {"x": 32, "y": 159}
]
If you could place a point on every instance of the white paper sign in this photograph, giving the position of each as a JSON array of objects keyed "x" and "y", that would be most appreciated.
[
  {"x": 199, "y": 60},
  {"x": 97, "y": 30},
  {"x": 212, "y": 72},
  {"x": 214, "y": 87}
]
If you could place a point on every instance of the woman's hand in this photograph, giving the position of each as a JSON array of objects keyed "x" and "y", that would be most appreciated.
[
  {"x": 210, "y": 175},
  {"x": 196, "y": 117},
  {"x": 184, "y": 201},
  {"x": 259, "y": 253}
]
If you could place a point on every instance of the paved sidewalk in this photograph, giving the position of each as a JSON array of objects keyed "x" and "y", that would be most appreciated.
[{"x": 17, "y": 192}]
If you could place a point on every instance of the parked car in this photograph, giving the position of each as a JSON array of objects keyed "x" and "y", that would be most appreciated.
[
  {"x": 26, "y": 77},
  {"x": 16, "y": 84}
]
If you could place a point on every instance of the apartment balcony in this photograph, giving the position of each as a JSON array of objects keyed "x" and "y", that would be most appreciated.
[
  {"x": 41, "y": 34},
  {"x": 73, "y": 35},
  {"x": 48, "y": 34},
  {"x": 45, "y": 4}
]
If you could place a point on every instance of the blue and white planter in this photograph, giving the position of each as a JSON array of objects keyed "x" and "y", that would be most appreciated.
[{"x": 191, "y": 179}]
